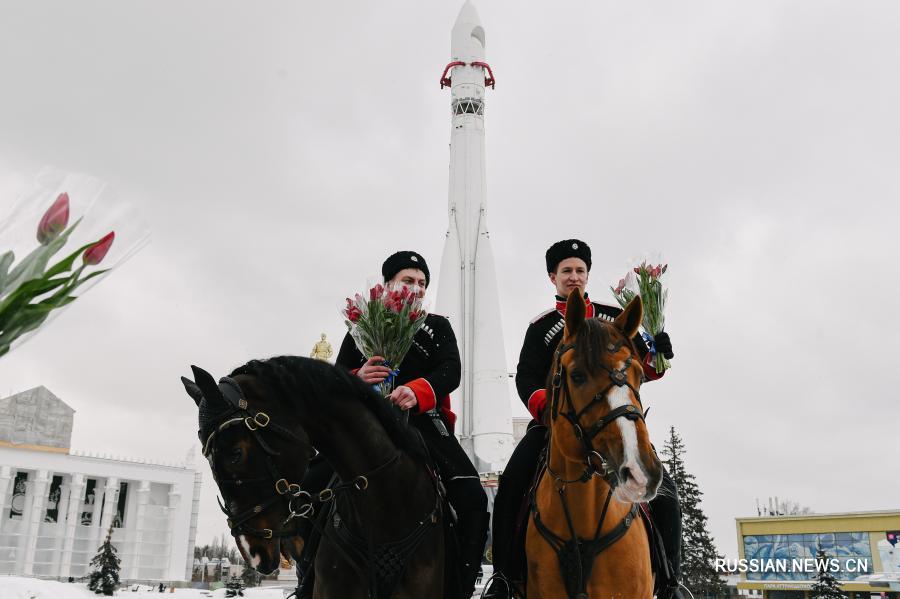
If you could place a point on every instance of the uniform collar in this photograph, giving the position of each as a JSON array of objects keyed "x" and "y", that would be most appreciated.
[{"x": 561, "y": 306}]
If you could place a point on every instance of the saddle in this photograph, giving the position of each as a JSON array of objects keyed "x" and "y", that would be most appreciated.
[{"x": 382, "y": 564}]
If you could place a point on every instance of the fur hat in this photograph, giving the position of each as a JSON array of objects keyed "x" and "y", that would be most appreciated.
[
  {"x": 567, "y": 248},
  {"x": 405, "y": 259}
]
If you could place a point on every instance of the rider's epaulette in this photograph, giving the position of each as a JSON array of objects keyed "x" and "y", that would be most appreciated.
[
  {"x": 606, "y": 312},
  {"x": 542, "y": 315}
]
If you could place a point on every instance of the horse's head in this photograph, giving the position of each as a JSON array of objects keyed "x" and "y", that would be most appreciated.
[
  {"x": 596, "y": 407},
  {"x": 258, "y": 455}
]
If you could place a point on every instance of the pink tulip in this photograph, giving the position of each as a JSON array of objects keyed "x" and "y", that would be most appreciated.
[
  {"x": 621, "y": 287},
  {"x": 95, "y": 253},
  {"x": 54, "y": 220}
]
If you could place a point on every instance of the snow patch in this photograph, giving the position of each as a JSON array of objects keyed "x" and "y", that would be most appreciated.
[{"x": 14, "y": 587}]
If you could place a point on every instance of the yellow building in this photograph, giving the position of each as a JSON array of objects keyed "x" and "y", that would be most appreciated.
[{"x": 778, "y": 554}]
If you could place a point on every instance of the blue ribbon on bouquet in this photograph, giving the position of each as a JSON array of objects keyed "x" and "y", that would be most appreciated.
[
  {"x": 648, "y": 339},
  {"x": 390, "y": 378}
]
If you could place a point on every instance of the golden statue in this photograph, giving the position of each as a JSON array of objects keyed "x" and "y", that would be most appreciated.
[{"x": 321, "y": 350}]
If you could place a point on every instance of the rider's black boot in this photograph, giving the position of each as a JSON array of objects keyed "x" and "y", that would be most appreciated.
[
  {"x": 472, "y": 529},
  {"x": 306, "y": 571},
  {"x": 667, "y": 517},
  {"x": 502, "y": 531}
]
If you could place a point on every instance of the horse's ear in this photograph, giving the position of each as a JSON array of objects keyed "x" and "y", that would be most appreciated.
[
  {"x": 193, "y": 390},
  {"x": 630, "y": 318},
  {"x": 207, "y": 385},
  {"x": 575, "y": 312}
]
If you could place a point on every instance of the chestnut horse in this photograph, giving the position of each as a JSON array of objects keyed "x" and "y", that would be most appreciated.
[
  {"x": 585, "y": 537},
  {"x": 383, "y": 530}
]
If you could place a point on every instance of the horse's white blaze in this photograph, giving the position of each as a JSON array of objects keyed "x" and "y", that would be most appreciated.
[
  {"x": 254, "y": 559},
  {"x": 620, "y": 396}
]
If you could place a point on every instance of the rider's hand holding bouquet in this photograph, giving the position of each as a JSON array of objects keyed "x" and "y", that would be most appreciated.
[
  {"x": 383, "y": 324},
  {"x": 645, "y": 280}
]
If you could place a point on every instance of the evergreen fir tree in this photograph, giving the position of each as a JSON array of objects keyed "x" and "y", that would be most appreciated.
[
  {"x": 249, "y": 576},
  {"x": 698, "y": 552},
  {"x": 234, "y": 587},
  {"x": 105, "y": 573},
  {"x": 826, "y": 585}
]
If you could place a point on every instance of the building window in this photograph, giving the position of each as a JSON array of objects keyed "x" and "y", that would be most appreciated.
[
  {"x": 119, "y": 519},
  {"x": 87, "y": 505},
  {"x": 851, "y": 549},
  {"x": 17, "y": 506},
  {"x": 53, "y": 497}
]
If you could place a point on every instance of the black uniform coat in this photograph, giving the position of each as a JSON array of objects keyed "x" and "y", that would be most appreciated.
[
  {"x": 541, "y": 339},
  {"x": 432, "y": 369}
]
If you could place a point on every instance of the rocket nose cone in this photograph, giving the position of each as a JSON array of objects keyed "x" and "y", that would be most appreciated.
[
  {"x": 467, "y": 15},
  {"x": 467, "y": 37}
]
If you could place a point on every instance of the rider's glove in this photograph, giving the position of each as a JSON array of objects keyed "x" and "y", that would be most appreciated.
[{"x": 663, "y": 345}]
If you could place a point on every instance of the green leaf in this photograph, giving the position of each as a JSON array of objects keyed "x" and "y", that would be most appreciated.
[
  {"x": 33, "y": 265},
  {"x": 27, "y": 292},
  {"x": 66, "y": 263}
]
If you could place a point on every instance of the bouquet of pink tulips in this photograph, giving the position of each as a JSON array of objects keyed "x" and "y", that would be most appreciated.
[
  {"x": 645, "y": 280},
  {"x": 384, "y": 324}
]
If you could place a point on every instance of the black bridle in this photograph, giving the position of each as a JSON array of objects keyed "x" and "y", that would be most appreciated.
[
  {"x": 297, "y": 501},
  {"x": 560, "y": 392},
  {"x": 576, "y": 555}
]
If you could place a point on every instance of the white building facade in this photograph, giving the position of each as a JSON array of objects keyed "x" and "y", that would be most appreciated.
[{"x": 56, "y": 506}]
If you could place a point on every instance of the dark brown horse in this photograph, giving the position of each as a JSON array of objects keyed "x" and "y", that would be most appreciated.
[
  {"x": 585, "y": 537},
  {"x": 383, "y": 533}
]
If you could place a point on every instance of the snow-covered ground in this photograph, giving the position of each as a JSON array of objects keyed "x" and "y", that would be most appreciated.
[{"x": 13, "y": 587}]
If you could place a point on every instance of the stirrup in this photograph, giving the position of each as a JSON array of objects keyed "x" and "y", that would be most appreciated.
[
  {"x": 491, "y": 586},
  {"x": 676, "y": 590}
]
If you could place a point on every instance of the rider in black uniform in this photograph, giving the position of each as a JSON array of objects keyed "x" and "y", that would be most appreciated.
[
  {"x": 568, "y": 266},
  {"x": 427, "y": 375}
]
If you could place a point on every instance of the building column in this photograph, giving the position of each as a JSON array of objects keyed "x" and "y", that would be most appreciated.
[
  {"x": 96, "y": 515},
  {"x": 111, "y": 497},
  {"x": 195, "y": 515},
  {"x": 73, "y": 519},
  {"x": 5, "y": 478},
  {"x": 140, "y": 523},
  {"x": 174, "y": 501},
  {"x": 33, "y": 518},
  {"x": 61, "y": 525}
]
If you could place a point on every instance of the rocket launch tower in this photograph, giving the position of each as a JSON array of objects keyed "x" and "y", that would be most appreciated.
[{"x": 467, "y": 292}]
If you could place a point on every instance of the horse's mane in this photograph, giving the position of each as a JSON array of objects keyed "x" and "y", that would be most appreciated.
[{"x": 286, "y": 377}]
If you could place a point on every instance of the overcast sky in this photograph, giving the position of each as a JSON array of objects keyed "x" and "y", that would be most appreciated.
[{"x": 279, "y": 150}]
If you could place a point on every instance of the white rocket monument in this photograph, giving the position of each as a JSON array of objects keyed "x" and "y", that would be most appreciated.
[{"x": 468, "y": 285}]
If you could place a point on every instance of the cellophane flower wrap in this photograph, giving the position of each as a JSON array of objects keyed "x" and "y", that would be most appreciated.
[
  {"x": 646, "y": 281},
  {"x": 383, "y": 323},
  {"x": 35, "y": 283}
]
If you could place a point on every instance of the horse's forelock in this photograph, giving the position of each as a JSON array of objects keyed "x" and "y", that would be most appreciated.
[{"x": 592, "y": 338}]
